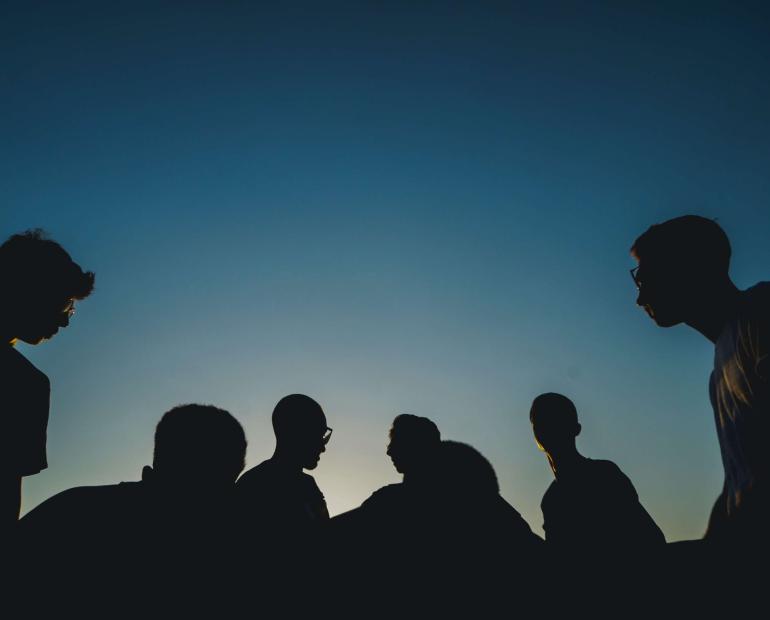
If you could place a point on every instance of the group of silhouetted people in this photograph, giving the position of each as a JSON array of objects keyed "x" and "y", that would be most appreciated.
[{"x": 196, "y": 524}]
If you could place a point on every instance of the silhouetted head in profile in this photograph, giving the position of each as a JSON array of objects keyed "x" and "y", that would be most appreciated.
[
  {"x": 682, "y": 275},
  {"x": 301, "y": 432},
  {"x": 555, "y": 425},
  {"x": 41, "y": 284},
  {"x": 198, "y": 448},
  {"x": 413, "y": 444}
]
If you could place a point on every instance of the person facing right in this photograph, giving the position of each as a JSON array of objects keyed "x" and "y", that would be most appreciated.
[{"x": 277, "y": 493}]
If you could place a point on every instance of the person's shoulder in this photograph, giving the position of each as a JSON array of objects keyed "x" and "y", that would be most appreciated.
[
  {"x": 390, "y": 490},
  {"x": 17, "y": 368},
  {"x": 259, "y": 475},
  {"x": 754, "y": 303},
  {"x": 77, "y": 500},
  {"x": 607, "y": 473},
  {"x": 605, "y": 467},
  {"x": 388, "y": 493},
  {"x": 550, "y": 493}
]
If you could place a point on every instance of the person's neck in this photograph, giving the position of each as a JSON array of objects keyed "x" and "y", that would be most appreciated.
[
  {"x": 563, "y": 463},
  {"x": 414, "y": 478},
  {"x": 286, "y": 461},
  {"x": 8, "y": 328},
  {"x": 716, "y": 310}
]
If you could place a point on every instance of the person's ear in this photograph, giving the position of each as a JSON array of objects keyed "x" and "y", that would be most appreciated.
[{"x": 578, "y": 428}]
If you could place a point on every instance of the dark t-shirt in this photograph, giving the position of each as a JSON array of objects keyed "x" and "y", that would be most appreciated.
[
  {"x": 272, "y": 494},
  {"x": 24, "y": 413},
  {"x": 596, "y": 507}
]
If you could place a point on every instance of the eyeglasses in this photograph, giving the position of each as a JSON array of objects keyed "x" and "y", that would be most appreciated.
[
  {"x": 69, "y": 308},
  {"x": 635, "y": 277},
  {"x": 327, "y": 435}
]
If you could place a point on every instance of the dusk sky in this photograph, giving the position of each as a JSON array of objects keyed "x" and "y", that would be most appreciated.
[{"x": 391, "y": 207}]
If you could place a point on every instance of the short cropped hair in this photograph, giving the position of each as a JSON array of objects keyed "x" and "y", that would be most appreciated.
[
  {"x": 294, "y": 413},
  {"x": 554, "y": 407},
  {"x": 31, "y": 262},
  {"x": 689, "y": 239},
  {"x": 417, "y": 428},
  {"x": 201, "y": 437},
  {"x": 464, "y": 470}
]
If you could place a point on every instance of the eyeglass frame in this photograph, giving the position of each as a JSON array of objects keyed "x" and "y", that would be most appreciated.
[
  {"x": 69, "y": 308},
  {"x": 327, "y": 435},
  {"x": 635, "y": 278}
]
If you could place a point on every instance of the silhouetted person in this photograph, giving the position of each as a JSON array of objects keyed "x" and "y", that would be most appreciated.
[
  {"x": 683, "y": 277},
  {"x": 388, "y": 516},
  {"x": 444, "y": 529},
  {"x": 277, "y": 494},
  {"x": 175, "y": 525},
  {"x": 478, "y": 546},
  {"x": 466, "y": 493},
  {"x": 40, "y": 286},
  {"x": 591, "y": 506},
  {"x": 414, "y": 441}
]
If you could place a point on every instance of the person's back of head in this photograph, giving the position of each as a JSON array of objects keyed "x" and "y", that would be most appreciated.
[
  {"x": 198, "y": 446},
  {"x": 413, "y": 443},
  {"x": 464, "y": 474},
  {"x": 680, "y": 263},
  {"x": 554, "y": 421},
  {"x": 300, "y": 429},
  {"x": 41, "y": 282}
]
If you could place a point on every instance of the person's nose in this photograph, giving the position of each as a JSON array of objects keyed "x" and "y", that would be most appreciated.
[{"x": 640, "y": 301}]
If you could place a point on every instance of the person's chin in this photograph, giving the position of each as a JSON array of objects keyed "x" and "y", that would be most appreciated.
[
  {"x": 665, "y": 321},
  {"x": 33, "y": 340},
  {"x": 661, "y": 319},
  {"x": 312, "y": 464}
]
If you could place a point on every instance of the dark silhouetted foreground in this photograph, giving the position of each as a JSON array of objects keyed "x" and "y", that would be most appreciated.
[
  {"x": 187, "y": 540},
  {"x": 40, "y": 286}
]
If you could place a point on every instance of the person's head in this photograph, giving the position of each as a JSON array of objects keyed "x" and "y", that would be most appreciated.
[
  {"x": 554, "y": 422},
  {"x": 300, "y": 429},
  {"x": 199, "y": 447},
  {"x": 462, "y": 472},
  {"x": 680, "y": 261},
  {"x": 41, "y": 284},
  {"x": 413, "y": 443}
]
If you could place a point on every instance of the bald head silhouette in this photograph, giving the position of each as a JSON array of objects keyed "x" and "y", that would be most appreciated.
[
  {"x": 554, "y": 423},
  {"x": 300, "y": 430}
]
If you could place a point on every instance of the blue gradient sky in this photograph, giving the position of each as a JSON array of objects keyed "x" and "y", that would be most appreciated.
[{"x": 391, "y": 209}]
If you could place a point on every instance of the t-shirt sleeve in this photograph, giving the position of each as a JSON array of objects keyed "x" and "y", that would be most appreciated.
[
  {"x": 633, "y": 521},
  {"x": 24, "y": 411}
]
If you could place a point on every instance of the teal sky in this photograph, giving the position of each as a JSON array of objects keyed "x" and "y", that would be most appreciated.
[{"x": 391, "y": 209}]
